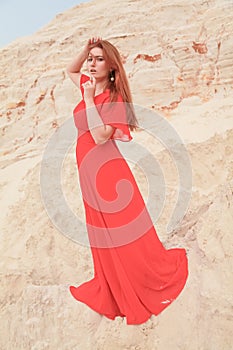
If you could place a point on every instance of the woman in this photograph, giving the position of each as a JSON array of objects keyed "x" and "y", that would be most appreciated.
[{"x": 134, "y": 275}]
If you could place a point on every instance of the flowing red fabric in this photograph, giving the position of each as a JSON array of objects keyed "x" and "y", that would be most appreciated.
[{"x": 134, "y": 275}]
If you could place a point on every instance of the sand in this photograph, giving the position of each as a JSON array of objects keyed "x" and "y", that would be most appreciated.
[{"x": 178, "y": 57}]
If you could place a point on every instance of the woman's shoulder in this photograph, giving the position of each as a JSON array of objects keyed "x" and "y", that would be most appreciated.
[{"x": 84, "y": 78}]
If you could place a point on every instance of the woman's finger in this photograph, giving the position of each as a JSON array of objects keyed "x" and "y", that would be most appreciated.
[
  {"x": 90, "y": 82},
  {"x": 93, "y": 80},
  {"x": 94, "y": 40},
  {"x": 86, "y": 83}
]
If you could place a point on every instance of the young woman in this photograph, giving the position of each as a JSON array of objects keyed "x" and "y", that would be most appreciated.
[{"x": 134, "y": 275}]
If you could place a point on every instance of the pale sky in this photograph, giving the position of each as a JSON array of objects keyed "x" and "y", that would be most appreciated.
[{"x": 24, "y": 17}]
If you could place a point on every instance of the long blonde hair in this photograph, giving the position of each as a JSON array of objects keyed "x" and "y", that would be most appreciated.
[{"x": 120, "y": 84}]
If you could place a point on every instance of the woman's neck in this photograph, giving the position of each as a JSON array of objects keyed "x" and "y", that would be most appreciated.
[{"x": 100, "y": 86}]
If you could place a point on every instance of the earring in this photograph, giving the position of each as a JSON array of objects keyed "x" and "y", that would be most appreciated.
[{"x": 112, "y": 76}]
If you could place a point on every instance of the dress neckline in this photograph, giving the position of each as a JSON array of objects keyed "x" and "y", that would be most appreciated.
[{"x": 104, "y": 92}]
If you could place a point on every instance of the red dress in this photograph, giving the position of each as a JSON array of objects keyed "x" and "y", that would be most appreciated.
[{"x": 134, "y": 275}]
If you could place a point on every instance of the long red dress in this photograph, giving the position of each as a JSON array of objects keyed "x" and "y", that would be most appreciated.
[{"x": 134, "y": 275}]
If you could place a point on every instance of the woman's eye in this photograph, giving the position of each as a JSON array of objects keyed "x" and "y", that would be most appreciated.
[{"x": 98, "y": 59}]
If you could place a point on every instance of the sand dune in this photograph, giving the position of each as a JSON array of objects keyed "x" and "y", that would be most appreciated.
[{"x": 178, "y": 57}]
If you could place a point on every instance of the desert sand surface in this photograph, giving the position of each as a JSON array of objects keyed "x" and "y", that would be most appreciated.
[{"x": 178, "y": 57}]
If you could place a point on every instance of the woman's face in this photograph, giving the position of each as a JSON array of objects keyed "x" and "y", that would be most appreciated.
[{"x": 96, "y": 64}]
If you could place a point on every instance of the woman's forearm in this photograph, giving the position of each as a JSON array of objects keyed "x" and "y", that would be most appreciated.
[
  {"x": 76, "y": 65},
  {"x": 99, "y": 131}
]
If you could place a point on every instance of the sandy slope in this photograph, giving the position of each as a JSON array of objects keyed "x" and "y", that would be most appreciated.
[{"x": 178, "y": 56}]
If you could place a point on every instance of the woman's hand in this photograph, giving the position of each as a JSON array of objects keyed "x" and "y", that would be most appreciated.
[
  {"x": 91, "y": 41},
  {"x": 89, "y": 90}
]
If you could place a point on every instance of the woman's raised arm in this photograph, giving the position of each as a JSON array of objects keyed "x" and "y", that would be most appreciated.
[{"x": 73, "y": 69}]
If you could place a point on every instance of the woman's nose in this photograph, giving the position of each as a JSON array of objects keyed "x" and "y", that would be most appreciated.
[{"x": 93, "y": 62}]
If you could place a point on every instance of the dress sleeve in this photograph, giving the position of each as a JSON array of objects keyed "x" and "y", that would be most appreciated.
[{"x": 114, "y": 114}]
